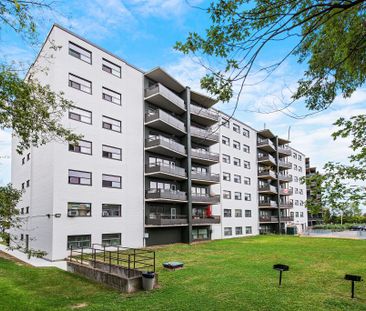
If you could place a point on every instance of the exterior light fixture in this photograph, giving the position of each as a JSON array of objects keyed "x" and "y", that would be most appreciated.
[
  {"x": 353, "y": 278},
  {"x": 281, "y": 268}
]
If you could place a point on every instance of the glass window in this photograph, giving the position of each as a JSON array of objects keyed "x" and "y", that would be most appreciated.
[
  {"x": 246, "y": 148},
  {"x": 111, "y": 210},
  {"x": 247, "y": 197},
  {"x": 111, "y": 181},
  {"x": 248, "y": 230},
  {"x": 245, "y": 132},
  {"x": 236, "y": 145},
  {"x": 237, "y": 179},
  {"x": 78, "y": 241},
  {"x": 80, "y": 178},
  {"x": 83, "y": 146},
  {"x": 28, "y": 183},
  {"x": 28, "y": 156},
  {"x": 78, "y": 209},
  {"x": 227, "y": 212},
  {"x": 237, "y": 162},
  {"x": 226, "y": 158},
  {"x": 109, "y": 239},
  {"x": 225, "y": 140},
  {"x": 200, "y": 234},
  {"x": 228, "y": 231},
  {"x": 247, "y": 181},
  {"x": 80, "y": 83},
  {"x": 226, "y": 194},
  {"x": 226, "y": 176},
  {"x": 23, "y": 161},
  {"x": 247, "y": 164},
  {"x": 238, "y": 213},
  {"x": 111, "y": 124},
  {"x": 237, "y": 195},
  {"x": 236, "y": 128},
  {"x": 111, "y": 68},
  {"x": 80, "y": 115},
  {"x": 238, "y": 230},
  {"x": 225, "y": 122},
  {"x": 80, "y": 53},
  {"x": 111, "y": 152},
  {"x": 111, "y": 96},
  {"x": 248, "y": 213}
]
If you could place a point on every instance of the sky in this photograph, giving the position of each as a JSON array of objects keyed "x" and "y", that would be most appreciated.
[{"x": 143, "y": 32}]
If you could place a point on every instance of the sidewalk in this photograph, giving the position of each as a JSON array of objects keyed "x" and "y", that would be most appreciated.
[{"x": 33, "y": 261}]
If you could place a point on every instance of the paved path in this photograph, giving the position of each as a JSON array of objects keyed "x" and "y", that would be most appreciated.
[{"x": 33, "y": 261}]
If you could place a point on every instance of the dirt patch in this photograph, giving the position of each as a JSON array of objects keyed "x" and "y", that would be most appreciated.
[
  {"x": 12, "y": 258},
  {"x": 79, "y": 306}
]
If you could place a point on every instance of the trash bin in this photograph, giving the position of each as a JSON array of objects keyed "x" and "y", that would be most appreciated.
[{"x": 148, "y": 279}]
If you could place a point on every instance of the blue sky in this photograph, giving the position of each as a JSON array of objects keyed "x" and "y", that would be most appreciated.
[{"x": 143, "y": 32}]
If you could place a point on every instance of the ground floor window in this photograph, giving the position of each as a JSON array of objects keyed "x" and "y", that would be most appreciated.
[
  {"x": 248, "y": 230},
  {"x": 228, "y": 231},
  {"x": 200, "y": 234},
  {"x": 238, "y": 230},
  {"x": 111, "y": 239},
  {"x": 78, "y": 241}
]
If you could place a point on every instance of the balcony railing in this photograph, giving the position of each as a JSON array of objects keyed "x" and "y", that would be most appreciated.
[
  {"x": 267, "y": 174},
  {"x": 284, "y": 150},
  {"x": 204, "y": 113},
  {"x": 287, "y": 218},
  {"x": 204, "y": 134},
  {"x": 268, "y": 203},
  {"x": 275, "y": 218},
  {"x": 166, "y": 143},
  {"x": 209, "y": 199},
  {"x": 284, "y": 164},
  {"x": 165, "y": 169},
  {"x": 267, "y": 157},
  {"x": 206, "y": 176},
  {"x": 166, "y": 194},
  {"x": 205, "y": 220},
  {"x": 205, "y": 155},
  {"x": 285, "y": 204},
  {"x": 285, "y": 177},
  {"x": 286, "y": 191},
  {"x": 166, "y": 220},
  {"x": 156, "y": 115},
  {"x": 267, "y": 188},
  {"x": 159, "y": 89},
  {"x": 265, "y": 142}
]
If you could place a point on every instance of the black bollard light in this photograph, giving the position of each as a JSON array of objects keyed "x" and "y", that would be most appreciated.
[
  {"x": 281, "y": 268},
  {"x": 353, "y": 278}
]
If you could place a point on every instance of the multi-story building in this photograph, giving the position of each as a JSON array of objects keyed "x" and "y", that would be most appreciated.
[{"x": 156, "y": 164}]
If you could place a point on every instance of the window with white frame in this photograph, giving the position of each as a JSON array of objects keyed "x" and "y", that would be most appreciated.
[
  {"x": 75, "y": 209},
  {"x": 109, "y": 239},
  {"x": 237, "y": 195},
  {"x": 246, "y": 133},
  {"x": 247, "y": 181},
  {"x": 246, "y": 148},
  {"x": 248, "y": 213},
  {"x": 228, "y": 231},
  {"x": 111, "y": 181},
  {"x": 225, "y": 122},
  {"x": 294, "y": 155},
  {"x": 80, "y": 84},
  {"x": 238, "y": 213},
  {"x": 300, "y": 168},
  {"x": 110, "y": 152},
  {"x": 236, "y": 161},
  {"x": 238, "y": 230},
  {"x": 111, "y": 68},
  {"x": 226, "y": 176},
  {"x": 236, "y": 145},
  {"x": 78, "y": 241},
  {"x": 81, "y": 115},
  {"x": 111, "y": 124},
  {"x": 236, "y": 128},
  {"x": 299, "y": 157},
  {"x": 246, "y": 164},
  {"x": 80, "y": 178},
  {"x": 296, "y": 190},
  {"x": 80, "y": 53},
  {"x": 111, "y": 210},
  {"x": 301, "y": 214},
  {"x": 248, "y": 230},
  {"x": 301, "y": 191},
  {"x": 225, "y": 140},
  {"x": 247, "y": 197},
  {"x": 237, "y": 179},
  {"x": 227, "y": 212},
  {"x": 111, "y": 96},
  {"x": 226, "y": 194},
  {"x": 83, "y": 146},
  {"x": 296, "y": 179},
  {"x": 296, "y": 202},
  {"x": 226, "y": 158}
]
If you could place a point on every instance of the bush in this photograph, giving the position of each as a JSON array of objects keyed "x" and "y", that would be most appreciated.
[{"x": 337, "y": 227}]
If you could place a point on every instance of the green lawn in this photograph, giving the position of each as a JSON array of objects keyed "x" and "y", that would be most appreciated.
[{"x": 233, "y": 274}]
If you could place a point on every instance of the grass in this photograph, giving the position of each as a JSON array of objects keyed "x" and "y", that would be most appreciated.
[{"x": 233, "y": 274}]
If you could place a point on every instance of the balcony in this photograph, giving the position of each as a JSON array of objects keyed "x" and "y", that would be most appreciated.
[
  {"x": 162, "y": 121},
  {"x": 284, "y": 204},
  {"x": 164, "y": 98},
  {"x": 284, "y": 151},
  {"x": 162, "y": 195},
  {"x": 268, "y": 204},
  {"x": 285, "y": 165},
  {"x": 205, "y": 178},
  {"x": 205, "y": 157},
  {"x": 167, "y": 220},
  {"x": 267, "y": 174},
  {"x": 205, "y": 199},
  {"x": 165, "y": 171},
  {"x": 284, "y": 178},
  {"x": 274, "y": 219},
  {"x": 203, "y": 136},
  {"x": 266, "y": 145},
  {"x": 205, "y": 220},
  {"x": 267, "y": 189},
  {"x": 203, "y": 116},
  {"x": 287, "y": 218},
  {"x": 165, "y": 146},
  {"x": 285, "y": 191},
  {"x": 266, "y": 159}
]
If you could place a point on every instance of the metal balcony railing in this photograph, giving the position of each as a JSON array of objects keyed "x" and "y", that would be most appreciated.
[
  {"x": 267, "y": 173},
  {"x": 269, "y": 203},
  {"x": 267, "y": 188},
  {"x": 167, "y": 169},
  {"x": 266, "y": 157},
  {"x": 206, "y": 176},
  {"x": 159, "y": 114},
  {"x": 166, "y": 194},
  {"x": 205, "y": 220},
  {"x": 165, "y": 142},
  {"x": 166, "y": 220},
  {"x": 205, "y": 113},
  {"x": 264, "y": 142},
  {"x": 206, "y": 155},
  {"x": 159, "y": 89},
  {"x": 204, "y": 134},
  {"x": 209, "y": 199}
]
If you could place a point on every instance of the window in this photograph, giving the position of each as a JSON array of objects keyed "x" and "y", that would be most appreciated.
[
  {"x": 226, "y": 158},
  {"x": 296, "y": 179},
  {"x": 21, "y": 236},
  {"x": 27, "y": 210},
  {"x": 301, "y": 203},
  {"x": 246, "y": 148},
  {"x": 226, "y": 176},
  {"x": 23, "y": 161},
  {"x": 225, "y": 122},
  {"x": 83, "y": 146},
  {"x": 238, "y": 230},
  {"x": 300, "y": 168},
  {"x": 80, "y": 53},
  {"x": 111, "y": 124},
  {"x": 236, "y": 145},
  {"x": 301, "y": 214},
  {"x": 111, "y": 68},
  {"x": 294, "y": 155},
  {"x": 227, "y": 212},
  {"x": 111, "y": 210},
  {"x": 226, "y": 194},
  {"x": 28, "y": 183},
  {"x": 237, "y": 179},
  {"x": 247, "y": 165},
  {"x": 111, "y": 152},
  {"x": 236, "y": 128},
  {"x": 22, "y": 210},
  {"x": 111, "y": 181},
  {"x": 80, "y": 115},
  {"x": 247, "y": 181},
  {"x": 23, "y": 185},
  {"x": 237, "y": 195},
  {"x": 111, "y": 239},
  {"x": 200, "y": 234},
  {"x": 248, "y": 213},
  {"x": 228, "y": 231},
  {"x": 111, "y": 96},
  {"x": 80, "y": 178},
  {"x": 248, "y": 230},
  {"x": 78, "y": 241},
  {"x": 78, "y": 209},
  {"x": 247, "y": 197},
  {"x": 292, "y": 214},
  {"x": 225, "y": 140},
  {"x": 238, "y": 213},
  {"x": 236, "y": 161},
  {"x": 297, "y": 214},
  {"x": 296, "y": 202},
  {"x": 28, "y": 156},
  {"x": 301, "y": 191},
  {"x": 299, "y": 157},
  {"x": 296, "y": 190},
  {"x": 246, "y": 133},
  {"x": 295, "y": 167},
  {"x": 80, "y": 84}
]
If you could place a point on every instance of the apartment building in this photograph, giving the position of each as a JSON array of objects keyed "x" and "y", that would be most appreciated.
[{"x": 156, "y": 164}]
